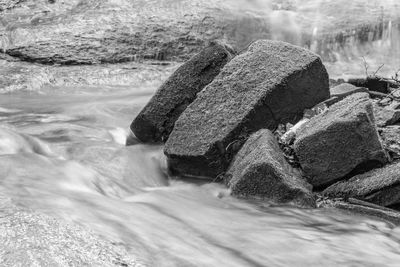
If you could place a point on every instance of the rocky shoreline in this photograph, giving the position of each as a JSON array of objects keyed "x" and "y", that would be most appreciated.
[{"x": 339, "y": 143}]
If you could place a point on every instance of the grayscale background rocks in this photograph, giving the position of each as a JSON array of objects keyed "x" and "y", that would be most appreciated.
[{"x": 271, "y": 83}]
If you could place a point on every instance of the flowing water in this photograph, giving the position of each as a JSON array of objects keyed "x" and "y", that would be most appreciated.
[{"x": 62, "y": 153}]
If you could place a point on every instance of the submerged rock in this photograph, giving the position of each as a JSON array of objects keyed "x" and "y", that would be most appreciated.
[
  {"x": 271, "y": 83},
  {"x": 379, "y": 186},
  {"x": 32, "y": 239},
  {"x": 260, "y": 170},
  {"x": 333, "y": 144},
  {"x": 355, "y": 206},
  {"x": 156, "y": 121}
]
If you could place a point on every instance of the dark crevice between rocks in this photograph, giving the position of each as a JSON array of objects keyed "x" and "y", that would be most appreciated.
[
  {"x": 172, "y": 117},
  {"x": 228, "y": 151},
  {"x": 374, "y": 83},
  {"x": 384, "y": 196}
]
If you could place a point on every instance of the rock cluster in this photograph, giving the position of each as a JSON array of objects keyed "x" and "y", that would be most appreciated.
[
  {"x": 267, "y": 124},
  {"x": 271, "y": 83}
]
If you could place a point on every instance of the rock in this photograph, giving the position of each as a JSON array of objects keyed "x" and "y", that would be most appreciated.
[
  {"x": 395, "y": 104},
  {"x": 346, "y": 89},
  {"x": 260, "y": 170},
  {"x": 156, "y": 121},
  {"x": 335, "y": 82},
  {"x": 366, "y": 209},
  {"x": 380, "y": 186},
  {"x": 290, "y": 135},
  {"x": 23, "y": 76},
  {"x": 333, "y": 144},
  {"x": 92, "y": 32},
  {"x": 385, "y": 116},
  {"x": 372, "y": 83},
  {"x": 396, "y": 93},
  {"x": 271, "y": 83},
  {"x": 391, "y": 140},
  {"x": 131, "y": 140},
  {"x": 9, "y": 4},
  {"x": 32, "y": 239},
  {"x": 318, "y": 109},
  {"x": 385, "y": 101}
]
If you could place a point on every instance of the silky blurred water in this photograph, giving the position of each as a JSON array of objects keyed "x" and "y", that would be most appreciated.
[{"x": 63, "y": 153}]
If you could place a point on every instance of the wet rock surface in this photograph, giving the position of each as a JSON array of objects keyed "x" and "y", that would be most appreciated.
[
  {"x": 19, "y": 76},
  {"x": 355, "y": 206},
  {"x": 379, "y": 186},
  {"x": 92, "y": 32},
  {"x": 334, "y": 143},
  {"x": 156, "y": 121},
  {"x": 272, "y": 82},
  {"x": 260, "y": 170},
  {"x": 28, "y": 238}
]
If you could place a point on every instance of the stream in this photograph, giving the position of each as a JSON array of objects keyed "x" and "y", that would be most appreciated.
[{"x": 63, "y": 153}]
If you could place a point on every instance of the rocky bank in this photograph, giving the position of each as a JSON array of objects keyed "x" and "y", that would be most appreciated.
[{"x": 270, "y": 127}]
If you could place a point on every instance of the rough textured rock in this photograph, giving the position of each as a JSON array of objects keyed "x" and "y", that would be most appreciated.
[
  {"x": 8, "y": 4},
  {"x": 379, "y": 186},
  {"x": 346, "y": 89},
  {"x": 156, "y": 121},
  {"x": 333, "y": 144},
  {"x": 390, "y": 137},
  {"x": 91, "y": 31},
  {"x": 271, "y": 83},
  {"x": 111, "y": 31},
  {"x": 372, "y": 83},
  {"x": 385, "y": 116},
  {"x": 260, "y": 170},
  {"x": 32, "y": 239}
]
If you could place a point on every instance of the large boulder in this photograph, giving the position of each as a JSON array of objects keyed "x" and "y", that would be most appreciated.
[
  {"x": 271, "y": 83},
  {"x": 156, "y": 121},
  {"x": 261, "y": 170},
  {"x": 334, "y": 143},
  {"x": 92, "y": 32},
  {"x": 379, "y": 186}
]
